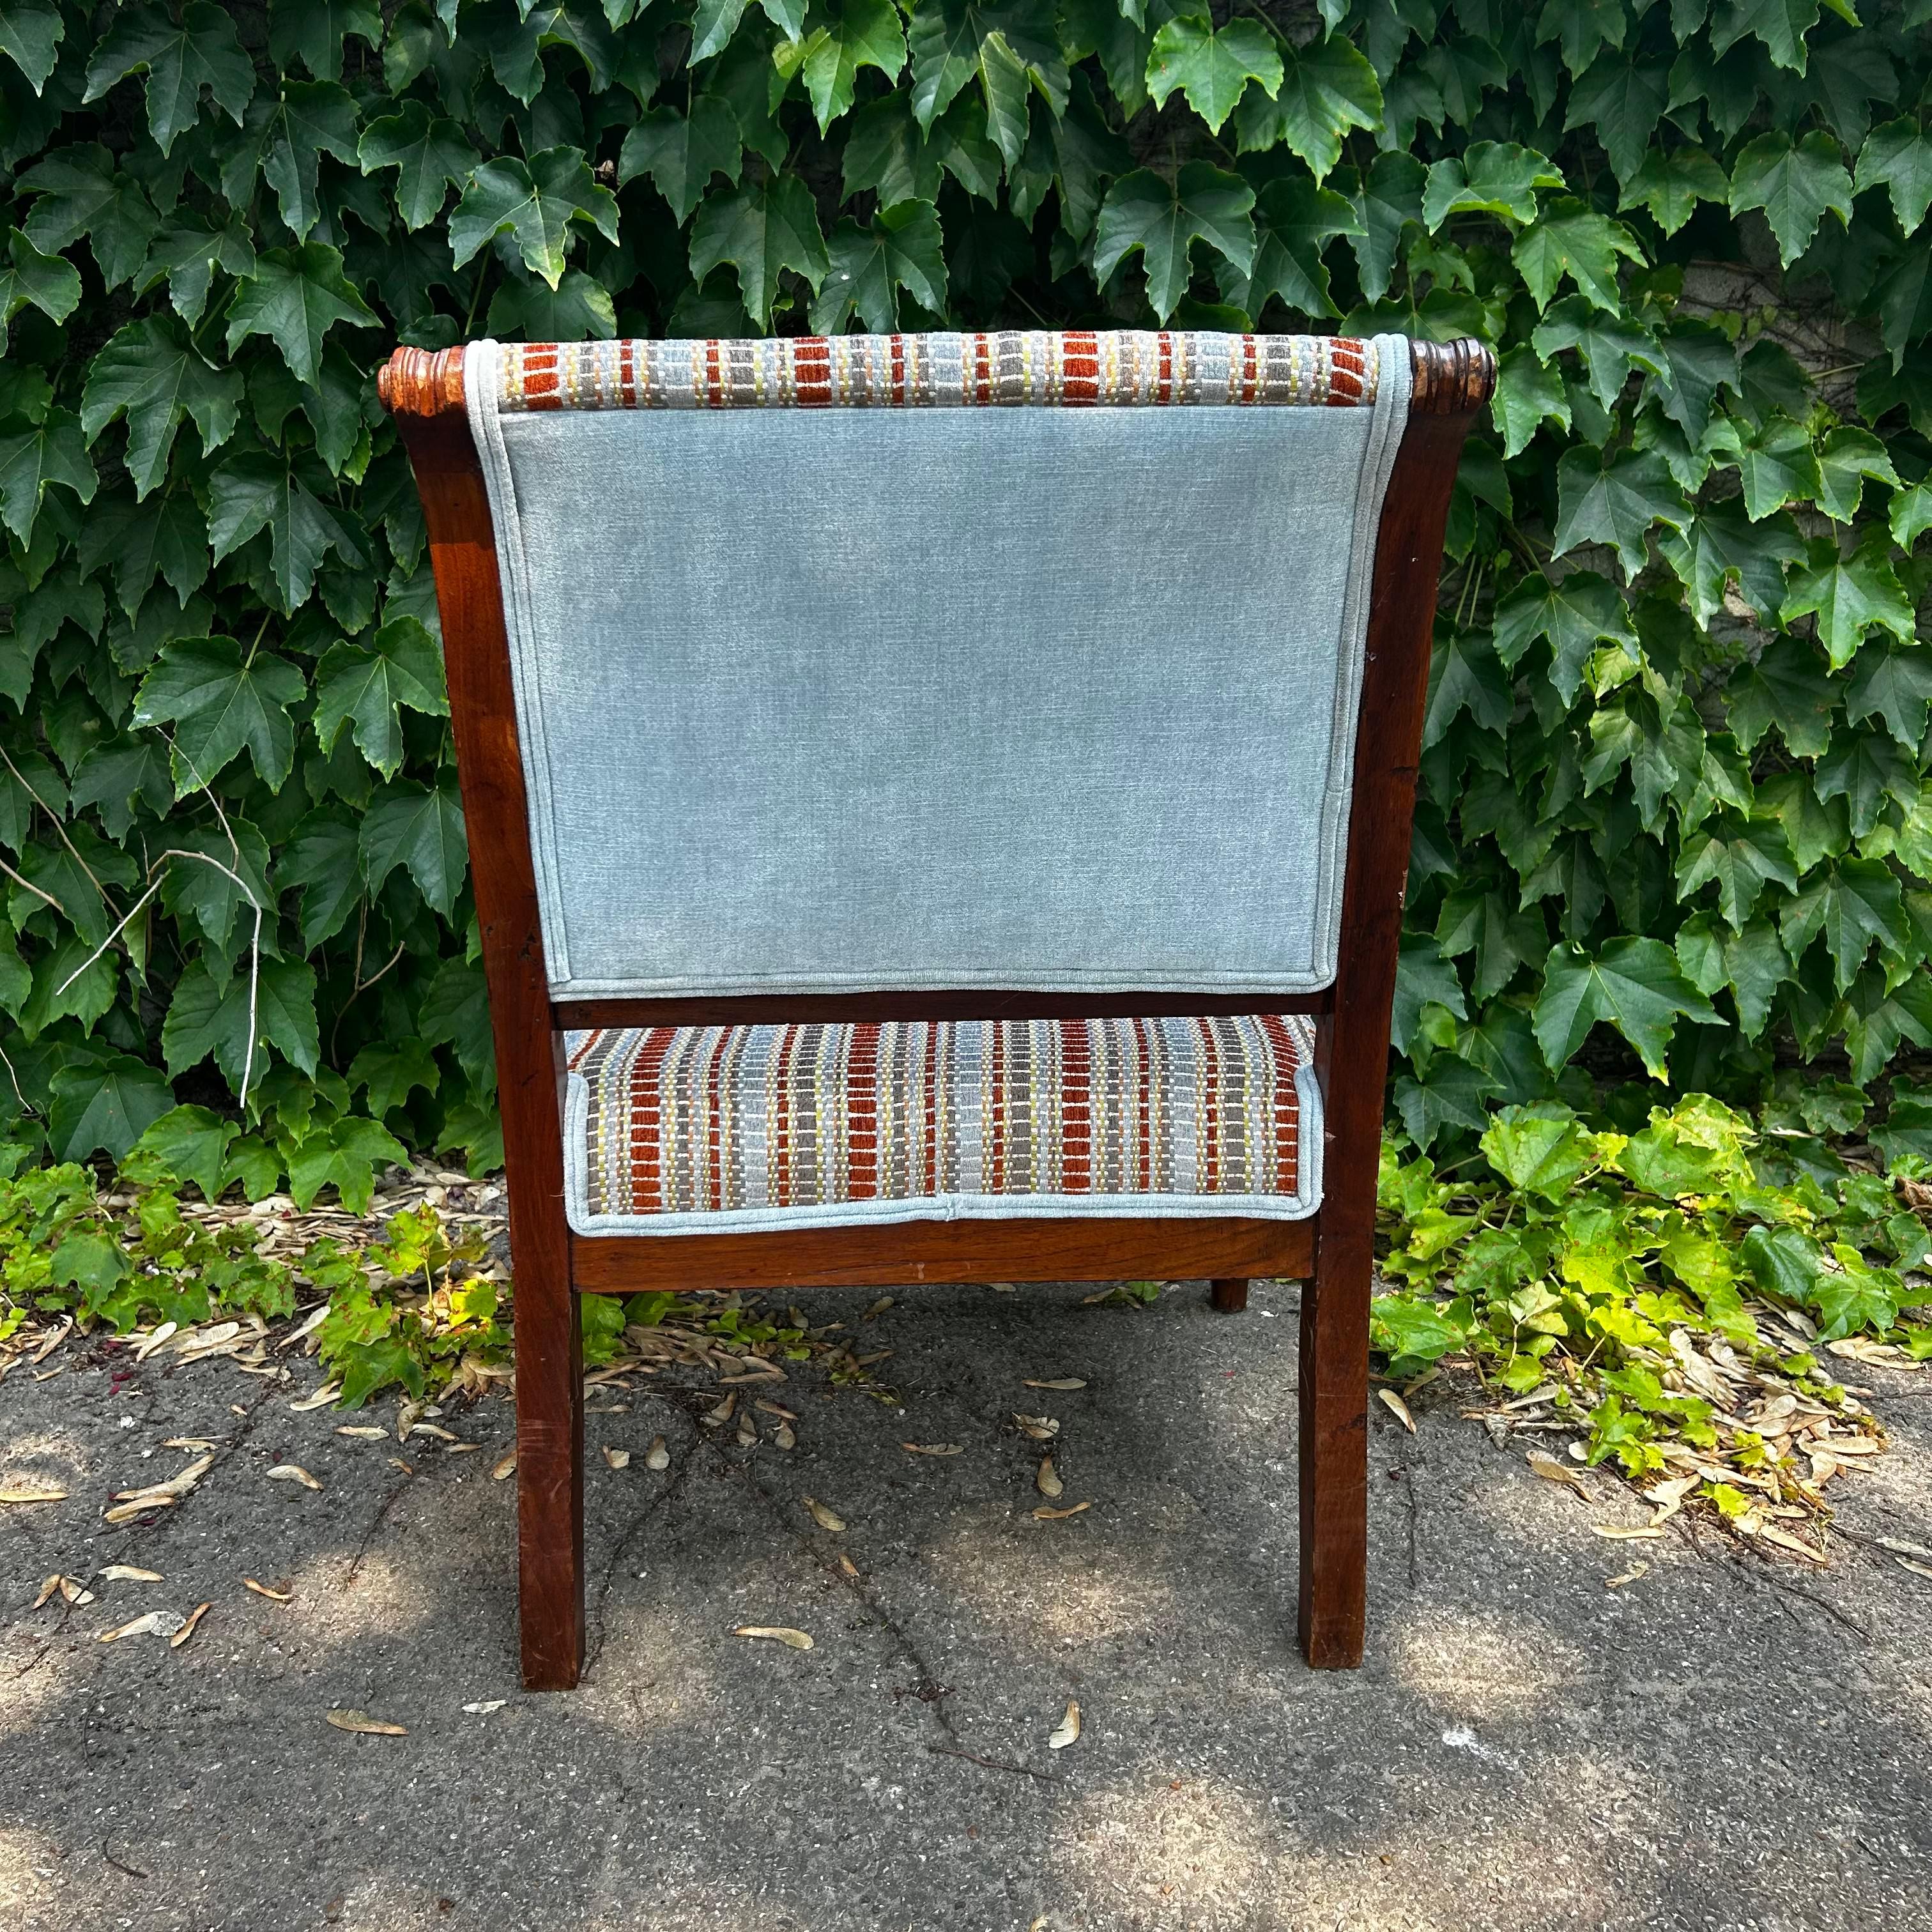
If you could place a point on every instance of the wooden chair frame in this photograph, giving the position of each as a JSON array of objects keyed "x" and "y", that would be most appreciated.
[{"x": 1331, "y": 1253}]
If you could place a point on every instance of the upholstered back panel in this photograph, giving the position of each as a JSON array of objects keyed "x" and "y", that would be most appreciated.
[{"x": 834, "y": 671}]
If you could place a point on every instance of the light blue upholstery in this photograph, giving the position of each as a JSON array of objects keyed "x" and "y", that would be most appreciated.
[{"x": 888, "y": 698}]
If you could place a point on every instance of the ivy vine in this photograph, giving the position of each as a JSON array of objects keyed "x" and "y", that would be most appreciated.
[{"x": 1676, "y": 807}]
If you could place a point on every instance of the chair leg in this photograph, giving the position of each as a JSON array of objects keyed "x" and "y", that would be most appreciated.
[
  {"x": 549, "y": 1480},
  {"x": 1228, "y": 1297},
  {"x": 1334, "y": 1407}
]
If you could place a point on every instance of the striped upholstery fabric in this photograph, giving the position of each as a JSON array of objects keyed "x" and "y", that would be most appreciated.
[
  {"x": 1005, "y": 367},
  {"x": 676, "y": 1129}
]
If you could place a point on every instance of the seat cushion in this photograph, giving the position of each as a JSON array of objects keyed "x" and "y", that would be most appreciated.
[{"x": 714, "y": 1130}]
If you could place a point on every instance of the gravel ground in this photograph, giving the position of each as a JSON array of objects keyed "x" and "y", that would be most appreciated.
[{"x": 1721, "y": 1742}]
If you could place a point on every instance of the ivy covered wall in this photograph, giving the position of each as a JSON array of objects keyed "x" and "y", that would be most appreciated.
[{"x": 1676, "y": 812}]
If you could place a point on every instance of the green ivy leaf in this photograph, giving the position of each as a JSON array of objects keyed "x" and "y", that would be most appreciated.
[
  {"x": 535, "y": 205},
  {"x": 1777, "y": 466},
  {"x": 430, "y": 153},
  {"x": 1573, "y": 240},
  {"x": 1541, "y": 1149},
  {"x": 1795, "y": 184},
  {"x": 347, "y": 1155},
  {"x": 864, "y": 33},
  {"x": 1575, "y": 615},
  {"x": 54, "y": 450},
  {"x": 31, "y": 33},
  {"x": 1611, "y": 345},
  {"x": 899, "y": 248},
  {"x": 151, "y": 373},
  {"x": 104, "y": 1106},
  {"x": 1634, "y": 984},
  {"x": 1897, "y": 157},
  {"x": 251, "y": 494},
  {"x": 191, "y": 1144},
  {"x": 455, "y": 1011},
  {"x": 1855, "y": 904},
  {"x": 1623, "y": 97},
  {"x": 761, "y": 229},
  {"x": 323, "y": 857},
  {"x": 1497, "y": 178},
  {"x": 1743, "y": 856},
  {"x": 390, "y": 1073},
  {"x": 1616, "y": 503},
  {"x": 1845, "y": 458},
  {"x": 682, "y": 153},
  {"x": 78, "y": 191},
  {"x": 1213, "y": 68},
  {"x": 202, "y": 51},
  {"x": 188, "y": 253},
  {"x": 1162, "y": 219},
  {"x": 1424, "y": 977},
  {"x": 420, "y": 828},
  {"x": 1849, "y": 596},
  {"x": 1787, "y": 688},
  {"x": 365, "y": 686},
  {"x": 208, "y": 1018},
  {"x": 1327, "y": 88},
  {"x": 1722, "y": 548},
  {"x": 1752, "y": 963},
  {"x": 1293, "y": 220},
  {"x": 294, "y": 297},
  {"x": 1387, "y": 199},
  {"x": 947, "y": 40},
  {"x": 49, "y": 282},
  {"x": 1910, "y": 515},
  {"x": 220, "y": 701},
  {"x": 1671, "y": 185},
  {"x": 1895, "y": 685},
  {"x": 1781, "y": 25},
  {"x": 312, "y": 31}
]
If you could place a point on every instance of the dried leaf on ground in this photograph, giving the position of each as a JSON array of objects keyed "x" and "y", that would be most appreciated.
[
  {"x": 826, "y": 1519},
  {"x": 846, "y": 1564},
  {"x": 322, "y": 1398},
  {"x": 186, "y": 1630},
  {"x": 1039, "y": 1428},
  {"x": 716, "y": 1418},
  {"x": 70, "y": 1591},
  {"x": 1061, "y": 1382},
  {"x": 31, "y": 1492},
  {"x": 506, "y": 1465},
  {"x": 365, "y": 1726},
  {"x": 618, "y": 1458},
  {"x": 657, "y": 1456},
  {"x": 1621, "y": 1533},
  {"x": 484, "y": 1706},
  {"x": 1047, "y": 1479},
  {"x": 1069, "y": 1731},
  {"x": 176, "y": 1486},
  {"x": 155, "y": 1623},
  {"x": 1551, "y": 1471},
  {"x": 783, "y": 1437},
  {"x": 364, "y": 1432},
  {"x": 1045, "y": 1515},
  {"x": 1917, "y": 1568},
  {"x": 933, "y": 1448},
  {"x": 793, "y": 1640},
  {"x": 128, "y": 1572},
  {"x": 879, "y": 1307},
  {"x": 1630, "y": 1575},
  {"x": 293, "y": 1472},
  {"x": 262, "y": 1590},
  {"x": 1398, "y": 1408}
]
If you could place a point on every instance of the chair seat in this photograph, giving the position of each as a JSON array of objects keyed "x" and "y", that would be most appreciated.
[{"x": 715, "y": 1129}]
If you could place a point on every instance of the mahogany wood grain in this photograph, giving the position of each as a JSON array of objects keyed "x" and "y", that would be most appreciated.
[
  {"x": 780, "y": 1009},
  {"x": 425, "y": 395},
  {"x": 1352, "y": 1043},
  {"x": 1156, "y": 1248},
  {"x": 1228, "y": 1297}
]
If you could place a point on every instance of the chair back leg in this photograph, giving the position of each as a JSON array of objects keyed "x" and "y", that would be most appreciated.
[
  {"x": 550, "y": 1477},
  {"x": 1229, "y": 1297}
]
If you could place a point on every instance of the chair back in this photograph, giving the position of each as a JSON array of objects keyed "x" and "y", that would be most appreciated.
[{"x": 921, "y": 662}]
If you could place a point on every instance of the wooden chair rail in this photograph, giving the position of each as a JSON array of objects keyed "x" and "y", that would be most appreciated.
[
  {"x": 1332, "y": 1251},
  {"x": 799, "y": 1009},
  {"x": 1164, "y": 1248}
]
